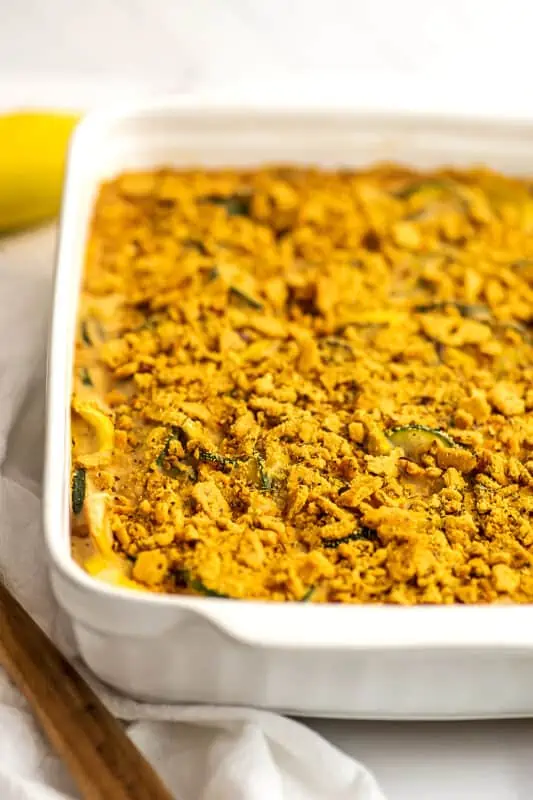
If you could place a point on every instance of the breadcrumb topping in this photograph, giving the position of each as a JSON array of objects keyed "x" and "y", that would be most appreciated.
[{"x": 319, "y": 382}]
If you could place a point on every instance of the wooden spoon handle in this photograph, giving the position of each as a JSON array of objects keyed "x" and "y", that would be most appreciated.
[{"x": 104, "y": 762}]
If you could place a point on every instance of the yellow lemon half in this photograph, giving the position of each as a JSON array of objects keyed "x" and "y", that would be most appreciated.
[{"x": 33, "y": 146}]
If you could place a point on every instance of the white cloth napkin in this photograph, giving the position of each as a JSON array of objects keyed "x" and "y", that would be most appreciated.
[{"x": 203, "y": 753}]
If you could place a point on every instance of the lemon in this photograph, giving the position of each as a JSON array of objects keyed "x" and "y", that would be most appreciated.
[{"x": 33, "y": 146}]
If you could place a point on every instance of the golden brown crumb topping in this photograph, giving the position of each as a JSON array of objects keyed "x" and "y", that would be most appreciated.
[{"x": 298, "y": 384}]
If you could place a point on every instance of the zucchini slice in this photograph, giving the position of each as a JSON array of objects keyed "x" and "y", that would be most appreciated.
[
  {"x": 265, "y": 481},
  {"x": 479, "y": 312},
  {"x": 213, "y": 274},
  {"x": 86, "y": 377},
  {"x": 78, "y": 490},
  {"x": 91, "y": 331},
  {"x": 176, "y": 434},
  {"x": 415, "y": 440},
  {"x": 336, "y": 341},
  {"x": 517, "y": 327},
  {"x": 195, "y": 244},
  {"x": 247, "y": 299},
  {"x": 223, "y": 462},
  {"x": 362, "y": 534},
  {"x": 184, "y": 579},
  {"x": 84, "y": 332},
  {"x": 413, "y": 187},
  {"x": 235, "y": 205},
  {"x": 200, "y": 588}
]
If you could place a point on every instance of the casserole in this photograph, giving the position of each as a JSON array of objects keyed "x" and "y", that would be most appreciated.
[{"x": 330, "y": 660}]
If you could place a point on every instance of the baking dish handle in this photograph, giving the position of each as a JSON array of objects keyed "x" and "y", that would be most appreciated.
[
  {"x": 294, "y": 625},
  {"x": 331, "y": 626}
]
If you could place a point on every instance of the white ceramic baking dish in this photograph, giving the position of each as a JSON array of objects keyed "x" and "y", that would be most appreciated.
[{"x": 382, "y": 662}]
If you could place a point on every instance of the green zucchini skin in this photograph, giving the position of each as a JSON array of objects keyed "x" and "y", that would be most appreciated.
[
  {"x": 246, "y": 298},
  {"x": 415, "y": 440},
  {"x": 224, "y": 462},
  {"x": 479, "y": 312},
  {"x": 86, "y": 377},
  {"x": 235, "y": 205},
  {"x": 306, "y": 597},
  {"x": 79, "y": 485},
  {"x": 413, "y": 187},
  {"x": 363, "y": 534},
  {"x": 200, "y": 588}
]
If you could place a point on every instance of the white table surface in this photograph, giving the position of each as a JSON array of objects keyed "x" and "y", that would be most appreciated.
[{"x": 129, "y": 46}]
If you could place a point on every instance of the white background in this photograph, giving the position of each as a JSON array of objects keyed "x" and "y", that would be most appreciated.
[
  {"x": 473, "y": 46},
  {"x": 180, "y": 43}
]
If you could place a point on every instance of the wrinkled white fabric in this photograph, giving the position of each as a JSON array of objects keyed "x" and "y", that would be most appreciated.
[{"x": 202, "y": 753}]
